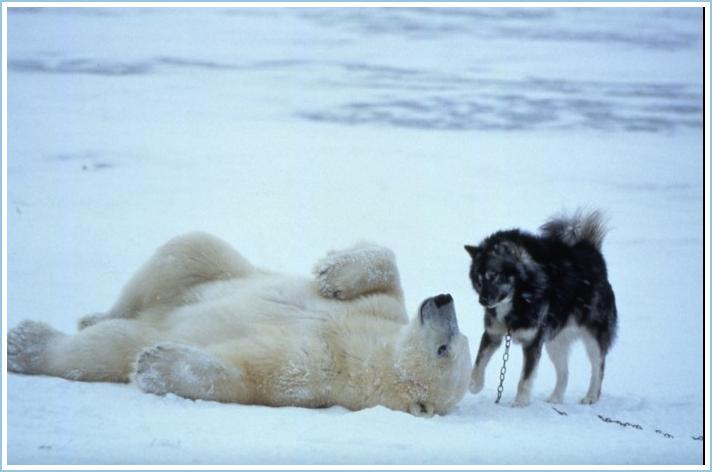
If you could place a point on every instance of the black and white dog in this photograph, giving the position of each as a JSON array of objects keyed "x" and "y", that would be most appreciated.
[{"x": 550, "y": 290}]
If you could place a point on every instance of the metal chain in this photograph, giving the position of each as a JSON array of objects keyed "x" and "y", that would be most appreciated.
[
  {"x": 627, "y": 424},
  {"x": 605, "y": 419},
  {"x": 503, "y": 370}
]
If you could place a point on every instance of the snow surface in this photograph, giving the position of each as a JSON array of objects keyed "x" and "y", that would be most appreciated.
[{"x": 291, "y": 132}]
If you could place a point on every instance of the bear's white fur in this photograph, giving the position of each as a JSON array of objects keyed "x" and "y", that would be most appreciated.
[{"x": 198, "y": 320}]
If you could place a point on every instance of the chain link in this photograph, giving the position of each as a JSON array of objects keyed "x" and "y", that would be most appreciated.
[{"x": 503, "y": 370}]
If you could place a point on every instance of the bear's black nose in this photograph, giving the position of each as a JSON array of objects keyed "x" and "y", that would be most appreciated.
[{"x": 442, "y": 300}]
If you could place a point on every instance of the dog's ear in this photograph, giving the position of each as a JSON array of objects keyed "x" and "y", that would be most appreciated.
[{"x": 473, "y": 251}]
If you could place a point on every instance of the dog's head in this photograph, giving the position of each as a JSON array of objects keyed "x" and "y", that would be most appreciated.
[
  {"x": 493, "y": 272},
  {"x": 502, "y": 268}
]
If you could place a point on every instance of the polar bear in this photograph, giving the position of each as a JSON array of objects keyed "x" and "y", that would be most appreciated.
[{"x": 200, "y": 321}]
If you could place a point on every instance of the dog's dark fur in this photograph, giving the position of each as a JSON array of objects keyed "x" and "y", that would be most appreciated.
[{"x": 546, "y": 289}]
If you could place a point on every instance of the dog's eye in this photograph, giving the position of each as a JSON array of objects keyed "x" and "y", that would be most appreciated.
[
  {"x": 489, "y": 275},
  {"x": 442, "y": 350}
]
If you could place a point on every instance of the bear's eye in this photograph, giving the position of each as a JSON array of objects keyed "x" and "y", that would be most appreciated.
[{"x": 442, "y": 350}]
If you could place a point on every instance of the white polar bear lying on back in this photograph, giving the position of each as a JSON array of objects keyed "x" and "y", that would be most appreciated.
[{"x": 198, "y": 320}]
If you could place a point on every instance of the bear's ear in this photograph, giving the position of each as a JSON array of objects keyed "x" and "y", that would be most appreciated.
[{"x": 473, "y": 251}]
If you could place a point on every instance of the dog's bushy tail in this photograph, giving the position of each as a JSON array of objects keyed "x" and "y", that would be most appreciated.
[{"x": 574, "y": 228}]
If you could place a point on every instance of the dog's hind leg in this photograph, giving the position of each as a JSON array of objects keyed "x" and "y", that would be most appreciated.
[
  {"x": 488, "y": 345},
  {"x": 598, "y": 361},
  {"x": 362, "y": 269},
  {"x": 166, "y": 278},
  {"x": 558, "y": 350}
]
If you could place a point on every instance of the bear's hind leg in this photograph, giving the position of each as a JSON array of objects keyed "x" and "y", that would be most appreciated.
[
  {"x": 28, "y": 346},
  {"x": 166, "y": 278},
  {"x": 103, "y": 352}
]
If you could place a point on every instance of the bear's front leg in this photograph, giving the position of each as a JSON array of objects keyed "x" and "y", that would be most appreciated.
[
  {"x": 359, "y": 270},
  {"x": 188, "y": 372}
]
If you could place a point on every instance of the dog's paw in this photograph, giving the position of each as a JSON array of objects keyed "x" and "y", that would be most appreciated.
[
  {"x": 520, "y": 402},
  {"x": 27, "y": 346},
  {"x": 589, "y": 399},
  {"x": 555, "y": 399},
  {"x": 476, "y": 385}
]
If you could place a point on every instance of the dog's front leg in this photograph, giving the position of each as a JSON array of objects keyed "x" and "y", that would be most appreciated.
[
  {"x": 488, "y": 345},
  {"x": 532, "y": 354}
]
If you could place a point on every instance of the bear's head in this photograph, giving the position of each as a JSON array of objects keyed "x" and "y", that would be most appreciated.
[{"x": 433, "y": 359}]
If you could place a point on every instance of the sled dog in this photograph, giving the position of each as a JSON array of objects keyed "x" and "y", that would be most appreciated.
[{"x": 546, "y": 290}]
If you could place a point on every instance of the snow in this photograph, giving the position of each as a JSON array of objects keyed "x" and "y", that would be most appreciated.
[{"x": 292, "y": 132}]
